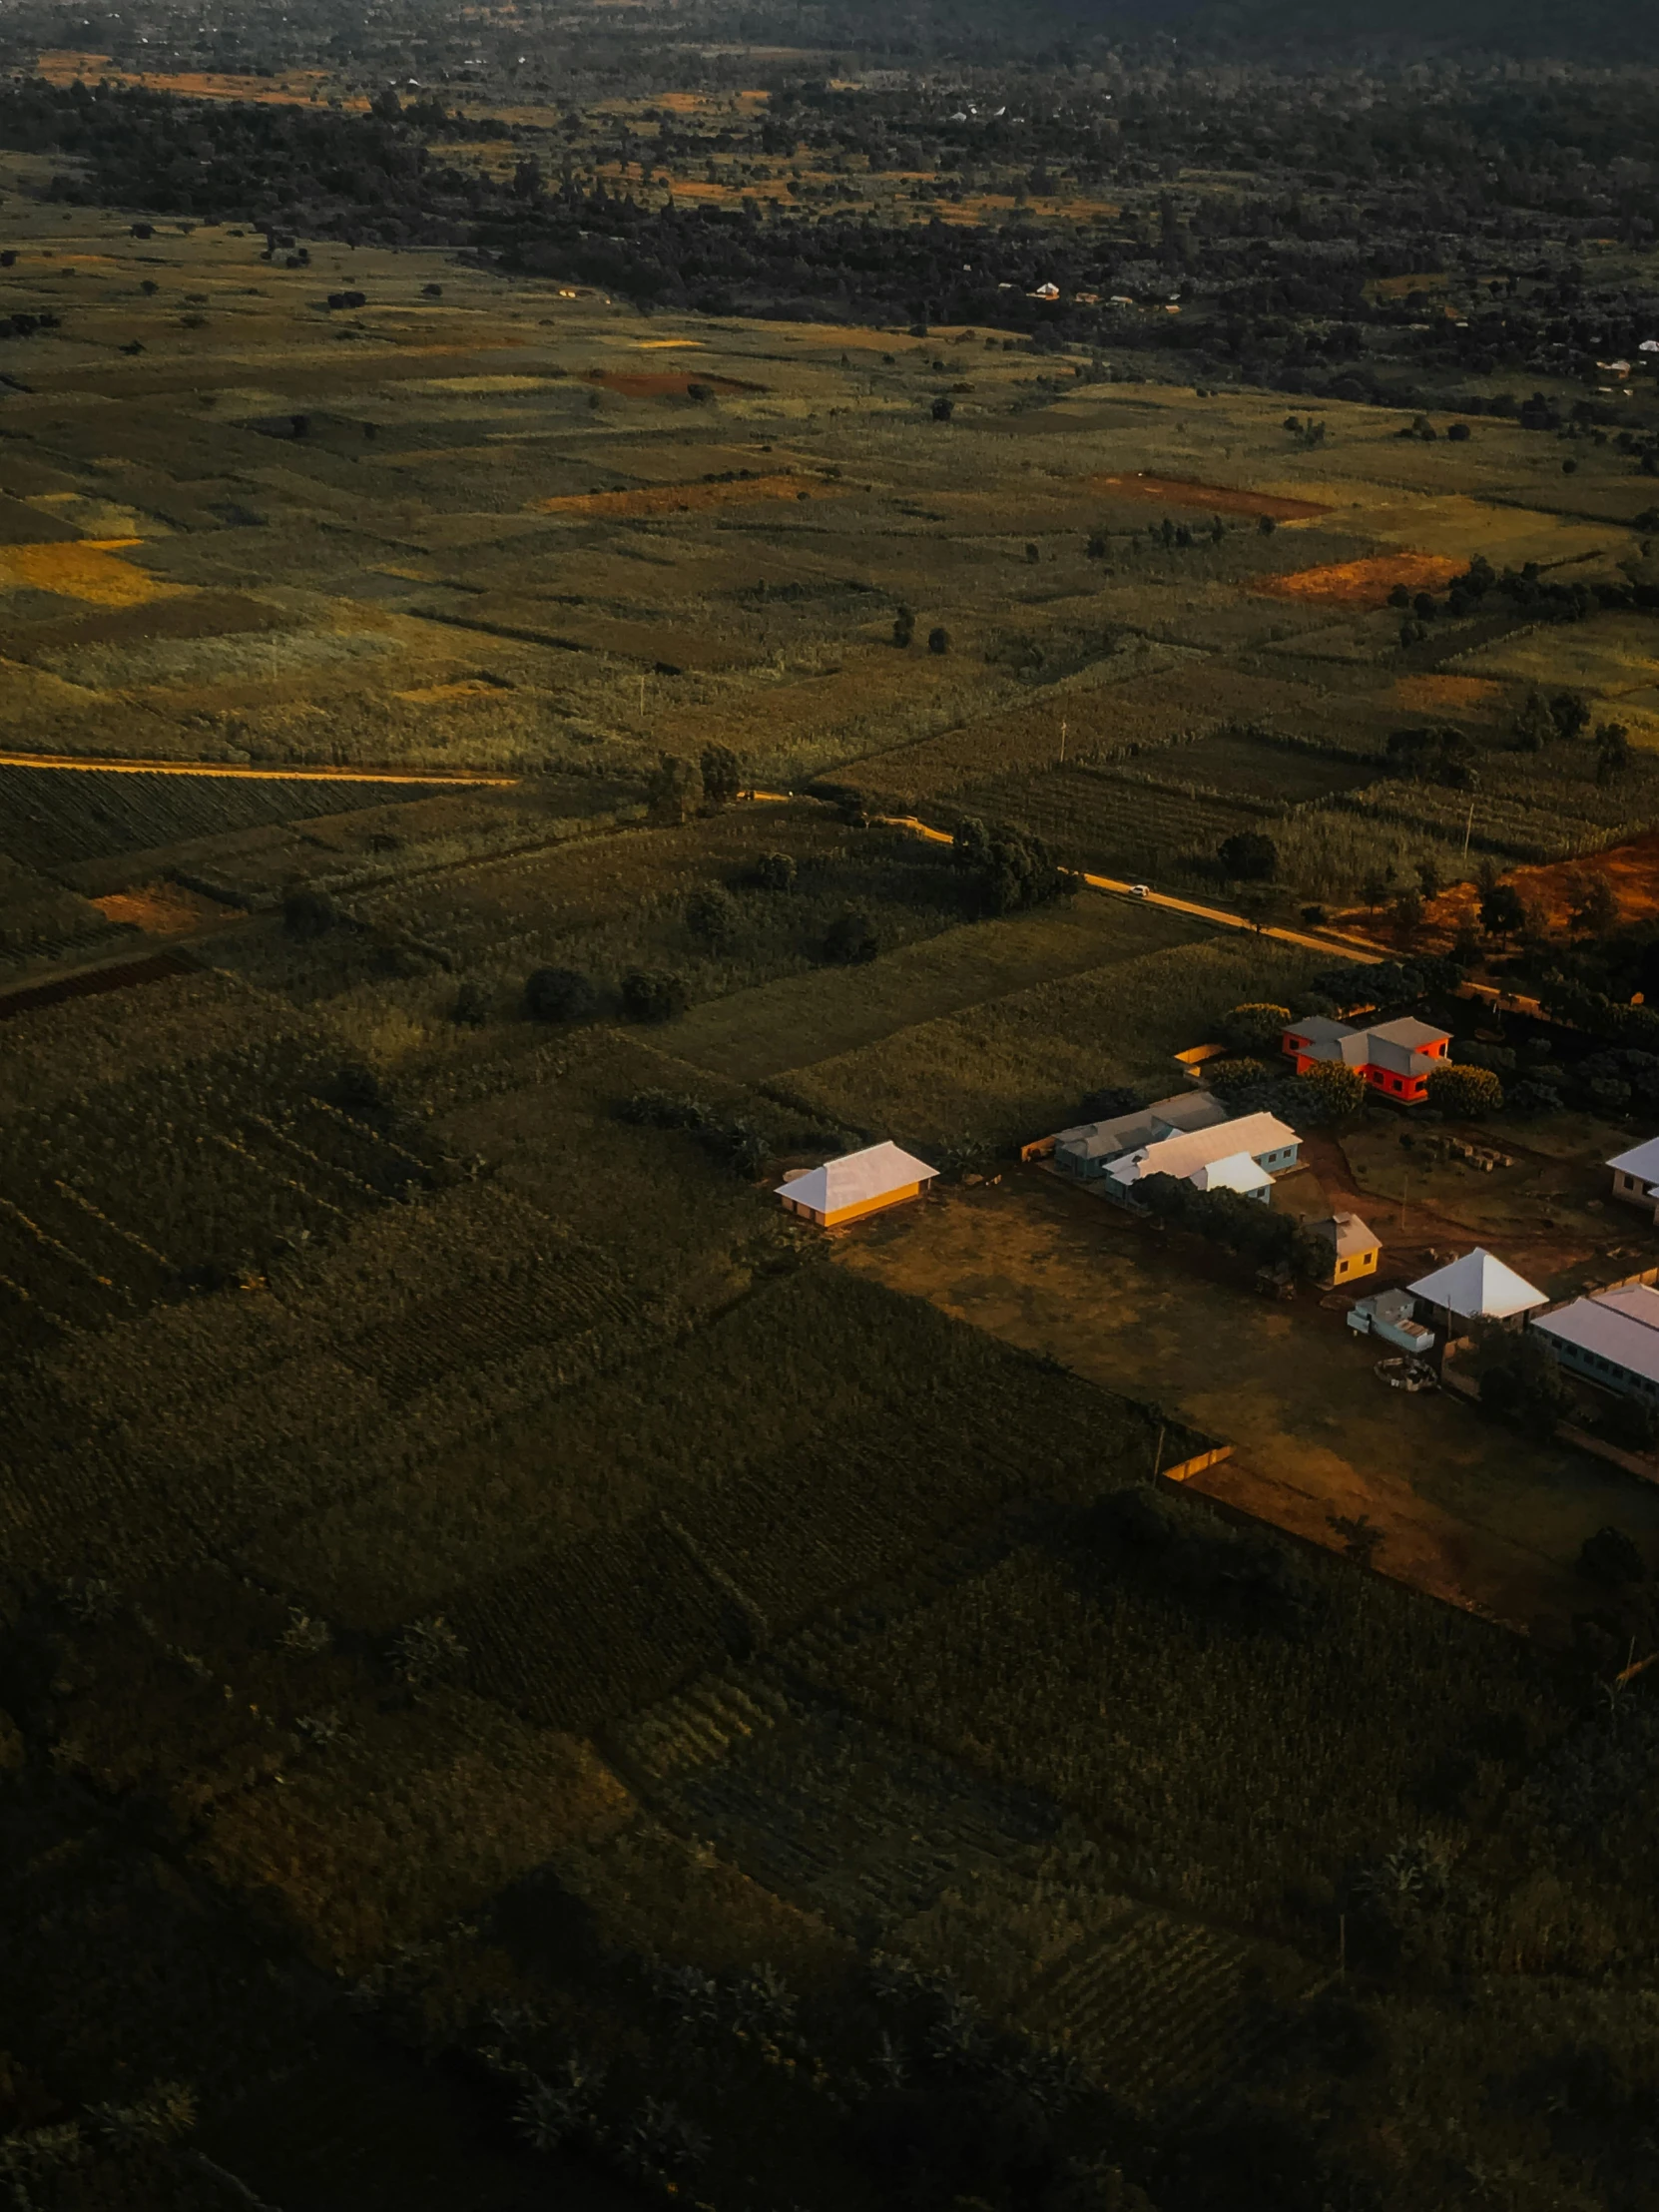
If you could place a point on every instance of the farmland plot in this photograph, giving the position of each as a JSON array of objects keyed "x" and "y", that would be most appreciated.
[{"x": 52, "y": 817}]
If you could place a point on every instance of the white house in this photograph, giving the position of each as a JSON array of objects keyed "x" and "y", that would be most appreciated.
[
  {"x": 1259, "y": 1141},
  {"x": 1636, "y": 1175},
  {"x": 1476, "y": 1288}
]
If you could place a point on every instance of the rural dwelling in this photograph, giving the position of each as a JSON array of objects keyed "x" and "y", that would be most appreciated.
[
  {"x": 1475, "y": 1288},
  {"x": 859, "y": 1183},
  {"x": 1395, "y": 1058},
  {"x": 1238, "y": 1171},
  {"x": 1389, "y": 1315},
  {"x": 1353, "y": 1248},
  {"x": 1636, "y": 1175},
  {"x": 1260, "y": 1139},
  {"x": 1088, "y": 1150},
  {"x": 1610, "y": 1338}
]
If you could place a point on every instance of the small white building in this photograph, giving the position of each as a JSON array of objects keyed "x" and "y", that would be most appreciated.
[
  {"x": 1476, "y": 1288},
  {"x": 856, "y": 1184},
  {"x": 1238, "y": 1171},
  {"x": 1636, "y": 1175}
]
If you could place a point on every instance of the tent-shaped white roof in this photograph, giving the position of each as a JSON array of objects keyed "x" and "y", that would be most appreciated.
[
  {"x": 1641, "y": 1159},
  {"x": 856, "y": 1178},
  {"x": 1479, "y": 1288},
  {"x": 1238, "y": 1172}
]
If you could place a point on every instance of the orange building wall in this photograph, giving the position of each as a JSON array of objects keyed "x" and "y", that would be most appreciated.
[{"x": 856, "y": 1213}]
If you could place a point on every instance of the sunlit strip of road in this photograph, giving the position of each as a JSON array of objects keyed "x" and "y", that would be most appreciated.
[
  {"x": 1344, "y": 949},
  {"x": 436, "y": 777}
]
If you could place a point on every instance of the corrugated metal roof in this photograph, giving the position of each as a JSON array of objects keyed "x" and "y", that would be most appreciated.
[
  {"x": 1641, "y": 1159},
  {"x": 1318, "y": 1029},
  {"x": 1238, "y": 1171},
  {"x": 1252, "y": 1134},
  {"x": 1410, "y": 1032},
  {"x": 1620, "y": 1325},
  {"x": 1109, "y": 1140},
  {"x": 856, "y": 1178},
  {"x": 1478, "y": 1287},
  {"x": 1348, "y": 1234}
]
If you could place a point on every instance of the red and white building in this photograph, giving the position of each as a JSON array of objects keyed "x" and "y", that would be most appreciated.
[{"x": 1395, "y": 1058}]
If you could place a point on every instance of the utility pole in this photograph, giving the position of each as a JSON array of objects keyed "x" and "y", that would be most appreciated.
[
  {"x": 1062, "y": 745},
  {"x": 1468, "y": 830}
]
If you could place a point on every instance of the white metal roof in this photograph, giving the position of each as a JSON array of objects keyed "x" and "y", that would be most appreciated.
[
  {"x": 855, "y": 1178},
  {"x": 1252, "y": 1134},
  {"x": 1641, "y": 1159},
  {"x": 1621, "y": 1326},
  {"x": 1479, "y": 1287},
  {"x": 1238, "y": 1171}
]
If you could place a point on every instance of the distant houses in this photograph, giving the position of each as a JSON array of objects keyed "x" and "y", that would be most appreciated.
[
  {"x": 1395, "y": 1058},
  {"x": 1610, "y": 1338},
  {"x": 856, "y": 1184}
]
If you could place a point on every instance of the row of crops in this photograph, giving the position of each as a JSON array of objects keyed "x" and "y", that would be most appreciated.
[
  {"x": 195, "y": 1177},
  {"x": 51, "y": 817}
]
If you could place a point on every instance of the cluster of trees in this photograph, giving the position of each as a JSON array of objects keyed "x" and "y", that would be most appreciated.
[
  {"x": 1253, "y": 1232},
  {"x": 733, "y": 1139},
  {"x": 1008, "y": 872}
]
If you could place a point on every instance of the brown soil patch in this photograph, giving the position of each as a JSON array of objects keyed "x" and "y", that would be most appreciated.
[
  {"x": 1181, "y": 491},
  {"x": 1632, "y": 869},
  {"x": 1432, "y": 695},
  {"x": 1365, "y": 583},
  {"x": 670, "y": 499},
  {"x": 662, "y": 383},
  {"x": 86, "y": 570},
  {"x": 163, "y": 909}
]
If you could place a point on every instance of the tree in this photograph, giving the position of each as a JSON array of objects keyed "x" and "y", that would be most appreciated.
[
  {"x": 653, "y": 994},
  {"x": 1095, "y": 550},
  {"x": 1032, "y": 555},
  {"x": 1333, "y": 1088},
  {"x": 308, "y": 914},
  {"x": 1428, "y": 880},
  {"x": 722, "y": 775},
  {"x": 852, "y": 938},
  {"x": 560, "y": 995},
  {"x": 944, "y": 408},
  {"x": 775, "y": 872},
  {"x": 1595, "y": 904},
  {"x": 1501, "y": 911},
  {"x": 675, "y": 790},
  {"x": 711, "y": 915},
  {"x": 1570, "y": 712},
  {"x": 1535, "y": 725},
  {"x": 903, "y": 627},
  {"x": 970, "y": 848},
  {"x": 1408, "y": 910},
  {"x": 1465, "y": 1093},
  {"x": 472, "y": 1007},
  {"x": 1613, "y": 755},
  {"x": 1267, "y": 525},
  {"x": 1256, "y": 1026},
  {"x": 1248, "y": 856},
  {"x": 938, "y": 638}
]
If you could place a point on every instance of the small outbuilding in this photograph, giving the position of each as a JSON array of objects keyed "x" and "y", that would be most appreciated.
[
  {"x": 1355, "y": 1249},
  {"x": 1476, "y": 1288},
  {"x": 1636, "y": 1175},
  {"x": 856, "y": 1184},
  {"x": 1389, "y": 1315}
]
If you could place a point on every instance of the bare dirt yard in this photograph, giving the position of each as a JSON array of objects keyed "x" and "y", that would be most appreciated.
[{"x": 1479, "y": 1517}]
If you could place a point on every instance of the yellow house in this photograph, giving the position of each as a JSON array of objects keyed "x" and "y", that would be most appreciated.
[
  {"x": 859, "y": 1183},
  {"x": 1354, "y": 1248}
]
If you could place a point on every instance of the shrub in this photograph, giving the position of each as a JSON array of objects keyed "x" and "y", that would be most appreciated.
[
  {"x": 1239, "y": 1076},
  {"x": 1465, "y": 1093},
  {"x": 653, "y": 994},
  {"x": 775, "y": 872},
  {"x": 560, "y": 995},
  {"x": 722, "y": 775},
  {"x": 675, "y": 788},
  {"x": 938, "y": 640},
  {"x": 1248, "y": 856},
  {"x": 903, "y": 627},
  {"x": 852, "y": 938},
  {"x": 1256, "y": 1026},
  {"x": 1333, "y": 1088},
  {"x": 1611, "y": 1557},
  {"x": 711, "y": 915},
  {"x": 1631, "y": 1425},
  {"x": 307, "y": 913},
  {"x": 472, "y": 1007}
]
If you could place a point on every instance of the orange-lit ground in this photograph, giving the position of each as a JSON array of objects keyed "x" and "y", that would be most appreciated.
[
  {"x": 163, "y": 909},
  {"x": 1450, "y": 695},
  {"x": 1366, "y": 583},
  {"x": 1632, "y": 869},
  {"x": 663, "y": 383},
  {"x": 1227, "y": 499}
]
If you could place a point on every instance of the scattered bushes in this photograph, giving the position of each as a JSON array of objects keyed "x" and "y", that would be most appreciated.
[
  {"x": 852, "y": 938},
  {"x": 1242, "y": 1226},
  {"x": 733, "y": 1139},
  {"x": 775, "y": 872},
  {"x": 711, "y": 915}
]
